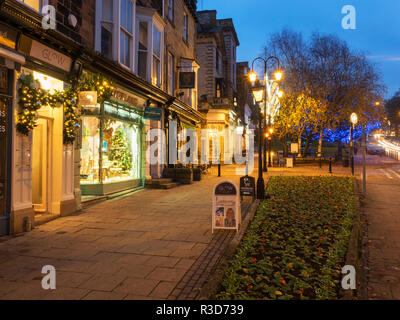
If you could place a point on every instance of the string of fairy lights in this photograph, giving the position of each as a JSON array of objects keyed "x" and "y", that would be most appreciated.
[{"x": 32, "y": 97}]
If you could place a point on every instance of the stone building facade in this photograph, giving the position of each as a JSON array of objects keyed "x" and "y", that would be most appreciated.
[
  {"x": 49, "y": 177},
  {"x": 217, "y": 42}
]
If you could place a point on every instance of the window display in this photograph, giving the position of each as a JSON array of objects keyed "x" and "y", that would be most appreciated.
[
  {"x": 90, "y": 150},
  {"x": 120, "y": 150}
]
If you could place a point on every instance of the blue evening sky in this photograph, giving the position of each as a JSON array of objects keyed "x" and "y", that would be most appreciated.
[{"x": 377, "y": 33}]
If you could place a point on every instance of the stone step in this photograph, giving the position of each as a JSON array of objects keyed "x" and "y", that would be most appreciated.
[
  {"x": 158, "y": 181},
  {"x": 164, "y": 186}
]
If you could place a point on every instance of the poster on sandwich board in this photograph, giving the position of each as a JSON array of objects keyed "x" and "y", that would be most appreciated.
[{"x": 226, "y": 213}]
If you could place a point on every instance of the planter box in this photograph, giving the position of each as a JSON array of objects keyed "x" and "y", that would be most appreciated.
[
  {"x": 197, "y": 174},
  {"x": 184, "y": 175},
  {"x": 169, "y": 173}
]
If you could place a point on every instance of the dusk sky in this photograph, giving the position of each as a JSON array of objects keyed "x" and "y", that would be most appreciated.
[{"x": 377, "y": 32}]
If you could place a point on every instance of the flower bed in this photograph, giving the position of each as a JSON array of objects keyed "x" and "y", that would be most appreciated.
[{"x": 296, "y": 245}]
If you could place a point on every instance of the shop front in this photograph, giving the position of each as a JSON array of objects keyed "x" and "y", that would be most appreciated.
[
  {"x": 43, "y": 166},
  {"x": 42, "y": 175},
  {"x": 112, "y": 142}
]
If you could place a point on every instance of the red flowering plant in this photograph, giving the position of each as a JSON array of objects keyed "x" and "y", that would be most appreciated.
[{"x": 296, "y": 245}]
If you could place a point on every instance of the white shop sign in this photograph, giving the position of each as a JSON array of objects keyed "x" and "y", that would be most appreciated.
[
  {"x": 226, "y": 213},
  {"x": 87, "y": 98}
]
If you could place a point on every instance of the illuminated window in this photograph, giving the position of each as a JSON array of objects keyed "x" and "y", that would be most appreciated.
[
  {"x": 34, "y": 4},
  {"x": 120, "y": 151},
  {"x": 143, "y": 49},
  {"x": 49, "y": 83},
  {"x": 156, "y": 76}
]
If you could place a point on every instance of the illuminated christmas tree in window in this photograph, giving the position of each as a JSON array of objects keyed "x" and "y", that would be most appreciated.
[{"x": 119, "y": 152}]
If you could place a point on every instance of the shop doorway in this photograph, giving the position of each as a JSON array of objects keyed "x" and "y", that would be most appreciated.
[{"x": 41, "y": 165}]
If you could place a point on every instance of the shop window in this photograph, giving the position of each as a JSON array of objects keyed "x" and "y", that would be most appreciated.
[
  {"x": 120, "y": 151},
  {"x": 90, "y": 153},
  {"x": 48, "y": 83}
]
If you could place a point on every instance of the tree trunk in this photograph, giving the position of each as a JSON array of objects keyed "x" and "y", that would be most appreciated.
[
  {"x": 308, "y": 140},
  {"x": 299, "y": 142},
  {"x": 285, "y": 147},
  {"x": 321, "y": 136}
]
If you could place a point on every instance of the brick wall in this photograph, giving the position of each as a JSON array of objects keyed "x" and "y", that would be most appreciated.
[{"x": 84, "y": 11}]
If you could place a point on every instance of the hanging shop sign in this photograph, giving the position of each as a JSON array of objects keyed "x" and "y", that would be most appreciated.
[
  {"x": 187, "y": 80},
  {"x": 247, "y": 186},
  {"x": 154, "y": 114},
  {"x": 87, "y": 98},
  {"x": 8, "y": 36},
  {"x": 44, "y": 53},
  {"x": 226, "y": 207}
]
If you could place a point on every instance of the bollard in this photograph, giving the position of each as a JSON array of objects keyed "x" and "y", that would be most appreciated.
[{"x": 330, "y": 165}]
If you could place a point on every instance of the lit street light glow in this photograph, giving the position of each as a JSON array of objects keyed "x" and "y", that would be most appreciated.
[
  {"x": 253, "y": 76},
  {"x": 354, "y": 118}
]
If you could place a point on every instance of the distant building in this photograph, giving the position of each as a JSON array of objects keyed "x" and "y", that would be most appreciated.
[{"x": 217, "y": 42}]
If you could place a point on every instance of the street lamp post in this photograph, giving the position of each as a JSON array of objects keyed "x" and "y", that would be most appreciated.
[
  {"x": 271, "y": 131},
  {"x": 258, "y": 93},
  {"x": 353, "y": 120},
  {"x": 253, "y": 78}
]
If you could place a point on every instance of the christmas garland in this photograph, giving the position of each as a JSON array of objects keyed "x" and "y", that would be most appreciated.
[
  {"x": 69, "y": 100},
  {"x": 32, "y": 97},
  {"x": 99, "y": 84}
]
